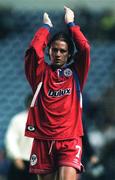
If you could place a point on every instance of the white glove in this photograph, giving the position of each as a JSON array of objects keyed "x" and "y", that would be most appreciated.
[
  {"x": 46, "y": 20},
  {"x": 69, "y": 15}
]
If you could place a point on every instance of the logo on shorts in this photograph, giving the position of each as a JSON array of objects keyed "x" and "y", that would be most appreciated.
[
  {"x": 31, "y": 128},
  {"x": 68, "y": 72},
  {"x": 33, "y": 160}
]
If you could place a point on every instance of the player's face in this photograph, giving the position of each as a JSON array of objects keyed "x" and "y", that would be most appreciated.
[{"x": 59, "y": 53}]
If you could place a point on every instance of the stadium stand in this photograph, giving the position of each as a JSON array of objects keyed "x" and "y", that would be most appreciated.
[{"x": 17, "y": 31}]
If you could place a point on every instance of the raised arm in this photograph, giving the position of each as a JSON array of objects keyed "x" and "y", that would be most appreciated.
[
  {"x": 34, "y": 57},
  {"x": 82, "y": 57}
]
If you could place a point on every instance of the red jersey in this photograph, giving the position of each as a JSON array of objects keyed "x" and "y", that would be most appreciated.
[{"x": 57, "y": 113}]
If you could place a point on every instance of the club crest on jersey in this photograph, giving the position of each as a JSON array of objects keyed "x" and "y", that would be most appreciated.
[
  {"x": 59, "y": 93},
  {"x": 68, "y": 72},
  {"x": 33, "y": 160}
]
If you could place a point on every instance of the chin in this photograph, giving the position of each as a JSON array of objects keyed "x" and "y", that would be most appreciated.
[{"x": 58, "y": 65}]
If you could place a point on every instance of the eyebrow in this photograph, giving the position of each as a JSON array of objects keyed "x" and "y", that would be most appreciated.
[{"x": 61, "y": 49}]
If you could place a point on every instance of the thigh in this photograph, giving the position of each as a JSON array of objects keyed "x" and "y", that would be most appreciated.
[
  {"x": 67, "y": 173},
  {"x": 41, "y": 162},
  {"x": 69, "y": 153}
]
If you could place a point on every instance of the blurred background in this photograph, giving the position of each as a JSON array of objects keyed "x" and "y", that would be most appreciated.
[{"x": 19, "y": 21}]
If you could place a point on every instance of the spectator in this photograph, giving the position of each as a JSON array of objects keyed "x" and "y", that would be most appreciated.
[{"x": 18, "y": 146}]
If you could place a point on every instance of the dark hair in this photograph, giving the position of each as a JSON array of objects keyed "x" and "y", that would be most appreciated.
[{"x": 62, "y": 36}]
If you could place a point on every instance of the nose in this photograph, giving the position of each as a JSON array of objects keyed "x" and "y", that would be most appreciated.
[{"x": 58, "y": 53}]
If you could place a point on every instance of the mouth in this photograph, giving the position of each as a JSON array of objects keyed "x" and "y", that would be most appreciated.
[{"x": 58, "y": 59}]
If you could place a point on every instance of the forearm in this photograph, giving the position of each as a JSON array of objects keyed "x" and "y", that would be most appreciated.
[
  {"x": 78, "y": 37},
  {"x": 40, "y": 40},
  {"x": 82, "y": 57},
  {"x": 80, "y": 41},
  {"x": 12, "y": 148},
  {"x": 34, "y": 57},
  {"x": 41, "y": 37}
]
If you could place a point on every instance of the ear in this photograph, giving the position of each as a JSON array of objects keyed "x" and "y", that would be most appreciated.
[{"x": 69, "y": 58}]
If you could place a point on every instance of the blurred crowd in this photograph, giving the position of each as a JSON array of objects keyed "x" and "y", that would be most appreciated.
[{"x": 99, "y": 115}]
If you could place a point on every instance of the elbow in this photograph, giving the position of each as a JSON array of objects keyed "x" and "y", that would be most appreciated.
[
  {"x": 86, "y": 51},
  {"x": 87, "y": 47}
]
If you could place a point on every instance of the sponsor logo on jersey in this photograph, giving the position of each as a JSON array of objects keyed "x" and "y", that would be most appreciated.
[
  {"x": 33, "y": 160},
  {"x": 59, "y": 93},
  {"x": 68, "y": 72}
]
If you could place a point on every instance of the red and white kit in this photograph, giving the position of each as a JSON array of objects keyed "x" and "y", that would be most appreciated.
[{"x": 58, "y": 107}]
